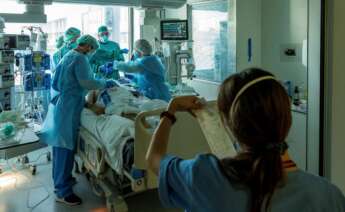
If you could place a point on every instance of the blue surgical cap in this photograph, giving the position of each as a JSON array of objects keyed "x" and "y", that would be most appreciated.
[
  {"x": 102, "y": 29},
  {"x": 88, "y": 40},
  {"x": 71, "y": 33}
]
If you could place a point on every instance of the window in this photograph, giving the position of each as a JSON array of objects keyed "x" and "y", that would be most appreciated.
[
  {"x": 87, "y": 18},
  {"x": 136, "y": 24},
  {"x": 213, "y": 53},
  {"x": 10, "y": 6}
]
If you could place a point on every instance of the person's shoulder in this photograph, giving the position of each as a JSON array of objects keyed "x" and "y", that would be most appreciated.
[
  {"x": 206, "y": 159},
  {"x": 309, "y": 178},
  {"x": 113, "y": 43},
  {"x": 206, "y": 164},
  {"x": 321, "y": 189},
  {"x": 315, "y": 183},
  {"x": 201, "y": 163},
  {"x": 76, "y": 55}
]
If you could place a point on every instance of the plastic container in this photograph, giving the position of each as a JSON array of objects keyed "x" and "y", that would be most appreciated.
[{"x": 7, "y": 130}]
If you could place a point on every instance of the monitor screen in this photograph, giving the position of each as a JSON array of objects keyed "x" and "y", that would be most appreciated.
[{"x": 174, "y": 30}]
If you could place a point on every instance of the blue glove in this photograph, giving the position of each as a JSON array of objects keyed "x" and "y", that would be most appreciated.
[
  {"x": 106, "y": 69},
  {"x": 110, "y": 84},
  {"x": 124, "y": 51}
]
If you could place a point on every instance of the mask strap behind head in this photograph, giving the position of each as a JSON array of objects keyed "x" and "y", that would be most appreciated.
[{"x": 245, "y": 87}]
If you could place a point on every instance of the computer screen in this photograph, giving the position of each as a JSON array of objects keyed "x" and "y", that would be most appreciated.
[{"x": 174, "y": 30}]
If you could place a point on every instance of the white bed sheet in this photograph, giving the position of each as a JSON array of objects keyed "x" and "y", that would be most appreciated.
[
  {"x": 112, "y": 131},
  {"x": 123, "y": 101}
]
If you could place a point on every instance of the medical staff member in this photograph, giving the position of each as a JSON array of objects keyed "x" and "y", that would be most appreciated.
[
  {"x": 73, "y": 78},
  {"x": 70, "y": 37},
  {"x": 59, "y": 42},
  {"x": 150, "y": 71},
  {"x": 108, "y": 52},
  {"x": 262, "y": 177}
]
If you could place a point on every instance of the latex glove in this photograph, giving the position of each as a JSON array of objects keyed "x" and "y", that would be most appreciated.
[
  {"x": 110, "y": 84},
  {"x": 124, "y": 51}
]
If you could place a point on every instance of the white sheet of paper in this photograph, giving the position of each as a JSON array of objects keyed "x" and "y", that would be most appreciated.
[{"x": 214, "y": 131}]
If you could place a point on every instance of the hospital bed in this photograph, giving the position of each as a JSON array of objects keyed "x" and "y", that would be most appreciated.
[{"x": 186, "y": 141}]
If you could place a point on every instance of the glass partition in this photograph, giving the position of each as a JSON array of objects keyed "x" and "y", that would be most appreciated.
[{"x": 213, "y": 54}]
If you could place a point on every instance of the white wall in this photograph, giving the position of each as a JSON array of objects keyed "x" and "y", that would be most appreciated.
[
  {"x": 284, "y": 23},
  {"x": 248, "y": 25},
  {"x": 335, "y": 76},
  {"x": 297, "y": 139},
  {"x": 180, "y": 13}
]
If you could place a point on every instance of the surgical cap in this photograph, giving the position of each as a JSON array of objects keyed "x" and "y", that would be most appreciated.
[
  {"x": 102, "y": 29},
  {"x": 143, "y": 46},
  {"x": 59, "y": 42},
  {"x": 71, "y": 33},
  {"x": 88, "y": 40}
]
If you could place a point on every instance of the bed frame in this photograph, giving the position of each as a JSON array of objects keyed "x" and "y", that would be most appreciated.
[{"x": 186, "y": 141}]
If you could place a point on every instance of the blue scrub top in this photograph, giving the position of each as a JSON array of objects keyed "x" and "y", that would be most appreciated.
[
  {"x": 107, "y": 52},
  {"x": 198, "y": 185},
  {"x": 150, "y": 76},
  {"x": 73, "y": 77}
]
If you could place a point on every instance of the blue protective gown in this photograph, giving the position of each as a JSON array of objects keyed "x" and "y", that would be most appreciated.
[
  {"x": 73, "y": 77},
  {"x": 107, "y": 52},
  {"x": 150, "y": 76}
]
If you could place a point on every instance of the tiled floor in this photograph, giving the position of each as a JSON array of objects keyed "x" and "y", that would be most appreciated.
[{"x": 20, "y": 191}]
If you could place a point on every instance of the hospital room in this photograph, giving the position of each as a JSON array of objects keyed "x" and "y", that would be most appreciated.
[{"x": 172, "y": 105}]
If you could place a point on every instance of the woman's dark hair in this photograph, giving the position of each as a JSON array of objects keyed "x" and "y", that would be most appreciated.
[{"x": 260, "y": 118}]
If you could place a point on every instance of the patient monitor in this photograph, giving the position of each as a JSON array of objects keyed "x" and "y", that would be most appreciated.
[{"x": 177, "y": 50}]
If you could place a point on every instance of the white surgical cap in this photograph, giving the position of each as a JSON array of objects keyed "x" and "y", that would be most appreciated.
[{"x": 143, "y": 46}]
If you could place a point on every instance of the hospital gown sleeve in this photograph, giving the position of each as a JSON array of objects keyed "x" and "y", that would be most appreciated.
[
  {"x": 129, "y": 67},
  {"x": 180, "y": 179},
  {"x": 85, "y": 76}
]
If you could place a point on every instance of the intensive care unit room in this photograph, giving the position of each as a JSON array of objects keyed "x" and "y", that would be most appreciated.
[{"x": 172, "y": 105}]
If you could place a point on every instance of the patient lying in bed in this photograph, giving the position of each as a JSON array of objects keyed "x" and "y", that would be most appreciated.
[
  {"x": 109, "y": 117},
  {"x": 91, "y": 99}
]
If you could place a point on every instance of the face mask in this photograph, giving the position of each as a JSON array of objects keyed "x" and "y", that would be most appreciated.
[{"x": 104, "y": 38}]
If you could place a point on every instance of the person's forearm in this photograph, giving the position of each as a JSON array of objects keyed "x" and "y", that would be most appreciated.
[
  {"x": 92, "y": 84},
  {"x": 159, "y": 145},
  {"x": 128, "y": 67}
]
